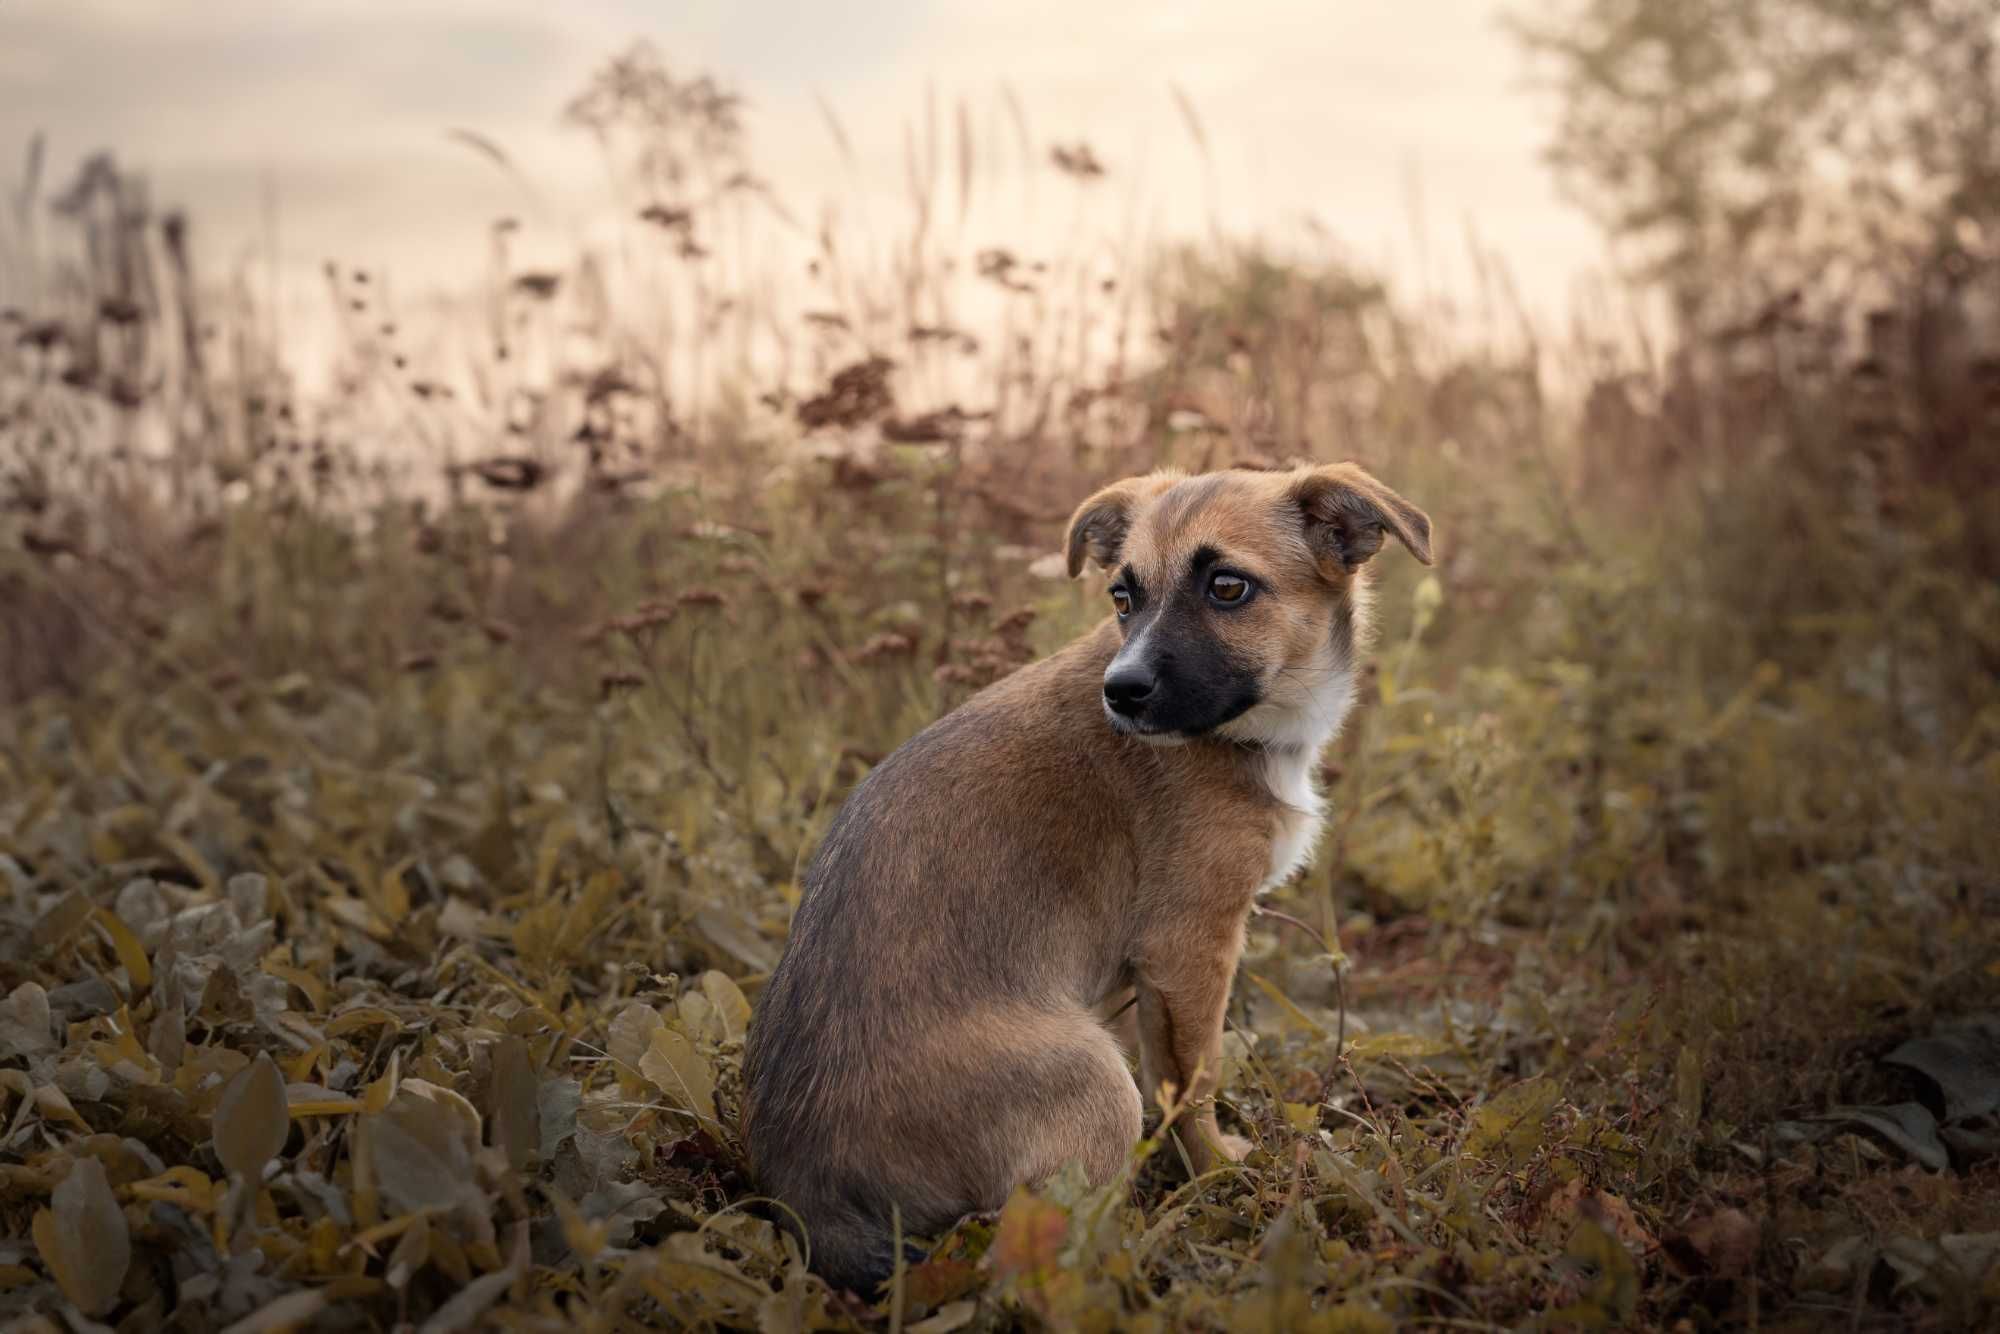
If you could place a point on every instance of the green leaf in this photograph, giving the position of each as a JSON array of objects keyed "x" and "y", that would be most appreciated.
[
  {"x": 1508, "y": 1128},
  {"x": 1611, "y": 1292}
]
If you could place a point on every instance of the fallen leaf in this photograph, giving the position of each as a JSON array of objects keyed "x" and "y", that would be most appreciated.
[
  {"x": 141, "y": 906},
  {"x": 1836, "y": 1267},
  {"x": 55, "y": 1104},
  {"x": 466, "y": 922},
  {"x": 556, "y": 1104},
  {"x": 736, "y": 938},
  {"x": 318, "y": 1100},
  {"x": 941, "y": 1278},
  {"x": 1614, "y": 1215},
  {"x": 620, "y": 1206},
  {"x": 1970, "y": 1143},
  {"x": 730, "y": 1004},
  {"x": 630, "y": 1034},
  {"x": 1575, "y": 1200},
  {"x": 251, "y": 1119},
  {"x": 1723, "y": 1243},
  {"x": 61, "y": 922},
  {"x": 1027, "y": 1242},
  {"x": 517, "y": 1129},
  {"x": 166, "y": 1040},
  {"x": 951, "y": 1316},
  {"x": 1907, "y": 1125},
  {"x": 294, "y": 1310},
  {"x": 462, "y": 1112},
  {"x": 585, "y": 1239},
  {"x": 420, "y": 1151},
  {"x": 83, "y": 1238},
  {"x": 26, "y": 1028},
  {"x": 130, "y": 952},
  {"x": 679, "y": 1071},
  {"x": 1945, "y": 1267},
  {"x": 413, "y": 1249},
  {"x": 1963, "y": 1060},
  {"x": 1977, "y": 1255},
  {"x": 698, "y": 1018},
  {"x": 469, "y": 1303}
]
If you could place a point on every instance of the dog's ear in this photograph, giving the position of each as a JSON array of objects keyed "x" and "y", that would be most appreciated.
[
  {"x": 1347, "y": 513},
  {"x": 1099, "y": 526}
]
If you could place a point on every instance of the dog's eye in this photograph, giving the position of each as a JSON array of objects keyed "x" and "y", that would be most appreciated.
[
  {"x": 1228, "y": 587},
  {"x": 1122, "y": 601}
]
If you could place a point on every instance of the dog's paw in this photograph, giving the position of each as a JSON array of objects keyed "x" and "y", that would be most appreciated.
[{"x": 1232, "y": 1148}]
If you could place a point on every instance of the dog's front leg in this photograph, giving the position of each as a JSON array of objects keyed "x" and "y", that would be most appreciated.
[{"x": 1183, "y": 994}]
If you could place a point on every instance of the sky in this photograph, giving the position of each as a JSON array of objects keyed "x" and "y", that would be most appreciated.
[{"x": 319, "y": 128}]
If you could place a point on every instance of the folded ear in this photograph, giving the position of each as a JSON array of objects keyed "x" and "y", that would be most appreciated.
[
  {"x": 1099, "y": 526},
  {"x": 1347, "y": 512}
]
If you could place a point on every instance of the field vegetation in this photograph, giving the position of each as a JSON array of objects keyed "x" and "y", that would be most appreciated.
[{"x": 404, "y": 785}]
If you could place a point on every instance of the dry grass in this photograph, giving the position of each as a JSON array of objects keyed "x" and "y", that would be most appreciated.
[{"x": 472, "y": 792}]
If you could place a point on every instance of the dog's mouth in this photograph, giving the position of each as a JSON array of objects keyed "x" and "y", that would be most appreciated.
[
  {"x": 1141, "y": 729},
  {"x": 1171, "y": 727}
]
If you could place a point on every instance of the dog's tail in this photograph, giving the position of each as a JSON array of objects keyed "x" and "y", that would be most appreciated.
[{"x": 851, "y": 1245}]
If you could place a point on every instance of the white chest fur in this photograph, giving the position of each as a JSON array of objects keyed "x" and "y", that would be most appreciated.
[
  {"x": 1300, "y": 816},
  {"x": 1291, "y": 726},
  {"x": 1292, "y": 740}
]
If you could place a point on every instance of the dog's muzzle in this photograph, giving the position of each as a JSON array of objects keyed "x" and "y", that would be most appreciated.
[{"x": 1127, "y": 689}]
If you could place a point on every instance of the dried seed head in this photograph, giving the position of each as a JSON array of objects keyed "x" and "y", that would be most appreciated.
[
  {"x": 1077, "y": 161},
  {"x": 612, "y": 683},
  {"x": 858, "y": 393},
  {"x": 538, "y": 286},
  {"x": 885, "y": 646}
]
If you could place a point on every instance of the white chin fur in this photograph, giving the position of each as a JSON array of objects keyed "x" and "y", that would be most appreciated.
[
  {"x": 1302, "y": 710},
  {"x": 1298, "y": 716},
  {"x": 1126, "y": 729}
]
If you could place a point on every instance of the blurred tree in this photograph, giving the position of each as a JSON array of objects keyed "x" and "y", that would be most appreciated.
[{"x": 1737, "y": 148}]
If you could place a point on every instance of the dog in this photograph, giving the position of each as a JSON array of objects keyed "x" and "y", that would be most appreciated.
[{"x": 1093, "y": 827}]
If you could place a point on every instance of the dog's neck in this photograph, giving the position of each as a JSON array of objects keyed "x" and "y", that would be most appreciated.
[
  {"x": 1285, "y": 734},
  {"x": 1304, "y": 708}
]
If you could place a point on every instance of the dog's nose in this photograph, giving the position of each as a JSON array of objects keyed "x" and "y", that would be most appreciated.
[{"x": 1126, "y": 689}]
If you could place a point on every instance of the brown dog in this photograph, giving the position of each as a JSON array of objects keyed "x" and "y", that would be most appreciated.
[{"x": 1097, "y": 822}]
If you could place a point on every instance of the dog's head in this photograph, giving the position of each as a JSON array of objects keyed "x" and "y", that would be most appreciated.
[{"x": 1236, "y": 593}]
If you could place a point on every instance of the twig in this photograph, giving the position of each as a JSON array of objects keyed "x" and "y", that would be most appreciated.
[{"x": 1333, "y": 955}]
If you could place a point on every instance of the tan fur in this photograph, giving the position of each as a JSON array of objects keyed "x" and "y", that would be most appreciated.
[{"x": 938, "y": 1031}]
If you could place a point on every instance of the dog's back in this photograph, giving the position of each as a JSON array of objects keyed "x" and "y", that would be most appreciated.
[{"x": 908, "y": 1022}]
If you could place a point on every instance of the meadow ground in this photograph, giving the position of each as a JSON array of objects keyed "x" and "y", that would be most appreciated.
[{"x": 388, "y": 866}]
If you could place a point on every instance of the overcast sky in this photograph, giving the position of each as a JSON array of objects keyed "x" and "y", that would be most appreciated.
[{"x": 1363, "y": 114}]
